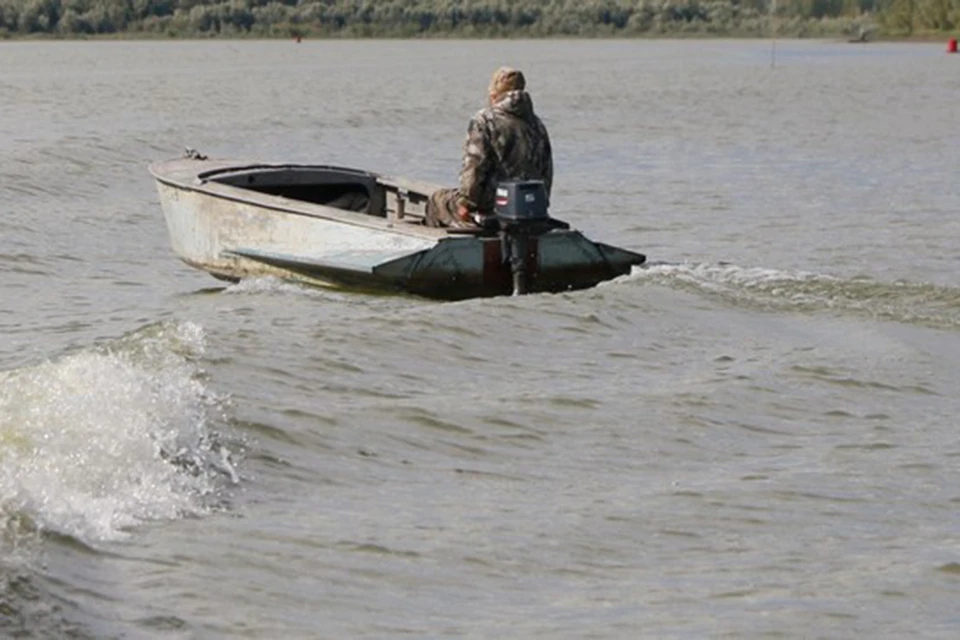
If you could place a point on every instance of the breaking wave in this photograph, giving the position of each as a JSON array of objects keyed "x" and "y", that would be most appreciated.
[
  {"x": 97, "y": 441},
  {"x": 770, "y": 289}
]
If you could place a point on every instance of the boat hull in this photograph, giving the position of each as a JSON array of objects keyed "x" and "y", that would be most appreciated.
[
  {"x": 213, "y": 234},
  {"x": 233, "y": 232}
]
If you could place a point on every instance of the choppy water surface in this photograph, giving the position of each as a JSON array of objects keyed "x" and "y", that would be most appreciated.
[{"x": 754, "y": 437}]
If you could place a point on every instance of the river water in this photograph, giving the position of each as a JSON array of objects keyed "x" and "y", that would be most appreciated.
[{"x": 755, "y": 436}]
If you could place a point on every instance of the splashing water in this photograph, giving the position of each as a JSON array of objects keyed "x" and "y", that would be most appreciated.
[{"x": 97, "y": 441}]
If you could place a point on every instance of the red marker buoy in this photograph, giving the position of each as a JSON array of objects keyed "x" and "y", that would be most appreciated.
[{"x": 952, "y": 45}]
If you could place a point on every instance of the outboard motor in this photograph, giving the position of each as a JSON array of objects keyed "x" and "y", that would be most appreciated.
[{"x": 521, "y": 211}]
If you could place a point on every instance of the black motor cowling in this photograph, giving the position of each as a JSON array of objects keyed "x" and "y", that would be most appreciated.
[{"x": 521, "y": 201}]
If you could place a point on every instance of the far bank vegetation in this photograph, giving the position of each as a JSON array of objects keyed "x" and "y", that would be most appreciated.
[{"x": 475, "y": 18}]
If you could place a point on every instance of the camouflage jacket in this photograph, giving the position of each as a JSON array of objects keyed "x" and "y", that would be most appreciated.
[{"x": 504, "y": 141}]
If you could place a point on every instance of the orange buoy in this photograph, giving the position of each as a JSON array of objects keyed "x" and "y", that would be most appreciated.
[{"x": 952, "y": 45}]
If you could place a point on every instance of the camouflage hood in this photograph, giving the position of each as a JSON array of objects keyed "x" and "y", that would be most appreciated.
[{"x": 517, "y": 103}]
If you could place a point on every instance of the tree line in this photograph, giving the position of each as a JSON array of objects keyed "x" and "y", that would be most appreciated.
[{"x": 473, "y": 18}]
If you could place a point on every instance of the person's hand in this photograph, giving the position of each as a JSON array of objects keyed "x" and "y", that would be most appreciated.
[{"x": 464, "y": 214}]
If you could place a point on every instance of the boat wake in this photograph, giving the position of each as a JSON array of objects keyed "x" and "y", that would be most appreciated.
[
  {"x": 97, "y": 441},
  {"x": 769, "y": 289}
]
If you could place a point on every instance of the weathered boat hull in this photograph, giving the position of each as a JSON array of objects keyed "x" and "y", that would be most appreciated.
[
  {"x": 341, "y": 227},
  {"x": 223, "y": 237}
]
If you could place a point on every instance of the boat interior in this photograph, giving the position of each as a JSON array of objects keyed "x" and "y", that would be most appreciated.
[{"x": 338, "y": 187}]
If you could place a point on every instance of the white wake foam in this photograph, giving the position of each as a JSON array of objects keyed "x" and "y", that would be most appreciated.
[
  {"x": 772, "y": 289},
  {"x": 97, "y": 441},
  {"x": 727, "y": 278},
  {"x": 270, "y": 284}
]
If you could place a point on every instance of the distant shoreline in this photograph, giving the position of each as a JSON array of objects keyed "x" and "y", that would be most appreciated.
[
  {"x": 926, "y": 38},
  {"x": 916, "y": 21}
]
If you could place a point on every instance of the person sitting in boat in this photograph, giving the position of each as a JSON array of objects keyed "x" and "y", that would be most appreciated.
[{"x": 505, "y": 141}]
